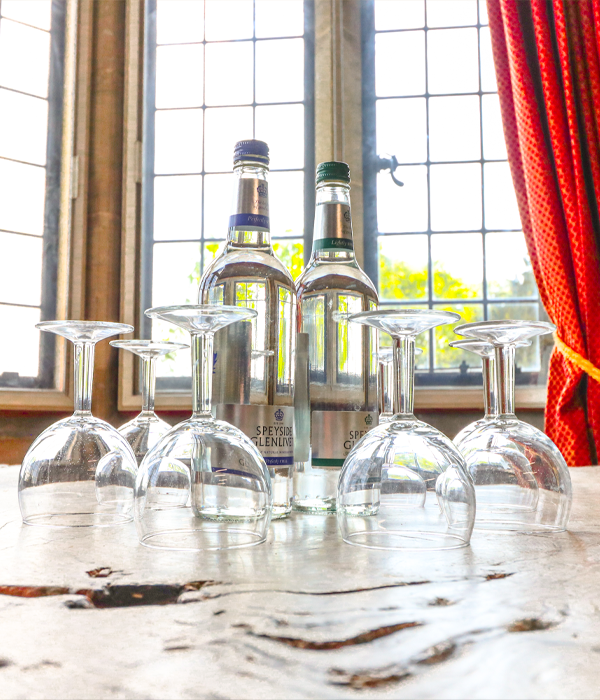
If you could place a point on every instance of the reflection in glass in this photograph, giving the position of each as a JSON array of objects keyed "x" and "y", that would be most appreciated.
[
  {"x": 228, "y": 75},
  {"x": 178, "y": 69},
  {"x": 179, "y": 21},
  {"x": 402, "y": 129},
  {"x": 457, "y": 265},
  {"x": 455, "y": 197},
  {"x": 224, "y": 127},
  {"x": 399, "y": 14},
  {"x": 279, "y": 70},
  {"x": 454, "y": 128},
  {"x": 452, "y": 63},
  {"x": 275, "y": 18},
  {"x": 178, "y": 141},
  {"x": 177, "y": 207},
  {"x": 402, "y": 209},
  {"x": 494, "y": 145},
  {"x": 393, "y": 50},
  {"x": 500, "y": 201},
  {"x": 282, "y": 126},
  {"x": 403, "y": 272}
]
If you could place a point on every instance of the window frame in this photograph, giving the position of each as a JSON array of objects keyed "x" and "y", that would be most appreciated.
[
  {"x": 430, "y": 395},
  {"x": 65, "y": 278}
]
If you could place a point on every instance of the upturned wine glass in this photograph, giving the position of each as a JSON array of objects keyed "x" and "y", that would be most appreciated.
[
  {"x": 146, "y": 429},
  {"x": 80, "y": 472},
  {"x": 385, "y": 382},
  {"x": 490, "y": 390},
  {"x": 204, "y": 485},
  {"x": 521, "y": 479},
  {"x": 388, "y": 481}
]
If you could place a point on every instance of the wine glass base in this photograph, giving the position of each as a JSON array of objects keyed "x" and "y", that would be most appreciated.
[
  {"x": 66, "y": 520},
  {"x": 413, "y": 540},
  {"x": 202, "y": 538}
]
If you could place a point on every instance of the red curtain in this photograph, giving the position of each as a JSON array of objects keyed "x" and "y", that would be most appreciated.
[{"x": 547, "y": 59}]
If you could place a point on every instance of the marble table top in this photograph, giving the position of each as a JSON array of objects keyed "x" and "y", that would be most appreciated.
[{"x": 92, "y": 614}]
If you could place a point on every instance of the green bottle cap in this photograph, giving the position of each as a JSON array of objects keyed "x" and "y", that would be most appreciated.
[{"x": 333, "y": 170}]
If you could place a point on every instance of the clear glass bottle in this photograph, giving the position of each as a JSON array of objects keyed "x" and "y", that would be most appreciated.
[
  {"x": 253, "y": 375},
  {"x": 342, "y": 355}
]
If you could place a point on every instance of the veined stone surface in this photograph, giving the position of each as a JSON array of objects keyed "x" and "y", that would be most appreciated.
[{"x": 302, "y": 616}]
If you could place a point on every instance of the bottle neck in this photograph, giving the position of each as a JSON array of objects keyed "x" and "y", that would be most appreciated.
[
  {"x": 332, "y": 236},
  {"x": 249, "y": 224}
]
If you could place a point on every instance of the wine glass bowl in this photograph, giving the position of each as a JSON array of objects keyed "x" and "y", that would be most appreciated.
[
  {"x": 404, "y": 485},
  {"x": 144, "y": 431},
  {"x": 204, "y": 485},
  {"x": 80, "y": 472},
  {"x": 521, "y": 479}
]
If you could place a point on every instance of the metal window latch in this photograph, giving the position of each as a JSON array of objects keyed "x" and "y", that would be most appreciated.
[{"x": 388, "y": 163}]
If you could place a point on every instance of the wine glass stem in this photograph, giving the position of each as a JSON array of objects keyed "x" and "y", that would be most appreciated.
[
  {"x": 202, "y": 374},
  {"x": 404, "y": 375},
  {"x": 490, "y": 392},
  {"x": 84, "y": 377},
  {"x": 148, "y": 384},
  {"x": 505, "y": 378}
]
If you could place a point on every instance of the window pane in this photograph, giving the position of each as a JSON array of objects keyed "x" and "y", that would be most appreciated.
[
  {"x": 455, "y": 197},
  {"x": 501, "y": 209},
  {"x": 217, "y": 204},
  {"x": 528, "y": 359},
  {"x": 282, "y": 127},
  {"x": 24, "y": 58},
  {"x": 286, "y": 201},
  {"x": 178, "y": 141},
  {"x": 402, "y": 209},
  {"x": 446, "y": 357},
  {"x": 233, "y": 19},
  {"x": 211, "y": 250},
  {"x": 508, "y": 268},
  {"x": 179, "y": 76},
  {"x": 23, "y": 127},
  {"x": 177, "y": 207},
  {"x": 402, "y": 129},
  {"x": 291, "y": 254},
  {"x": 494, "y": 145},
  {"x": 452, "y": 61},
  {"x": 22, "y": 194},
  {"x": 179, "y": 21},
  {"x": 224, "y": 127},
  {"x": 169, "y": 288},
  {"x": 488, "y": 73},
  {"x": 20, "y": 270},
  {"x": 280, "y": 70},
  {"x": 228, "y": 77},
  {"x": 276, "y": 18},
  {"x": 399, "y": 14},
  {"x": 451, "y": 13},
  {"x": 454, "y": 128},
  {"x": 400, "y": 49},
  {"x": 25, "y": 336},
  {"x": 403, "y": 267},
  {"x": 177, "y": 364},
  {"x": 457, "y": 265},
  {"x": 37, "y": 13},
  {"x": 483, "y": 16}
]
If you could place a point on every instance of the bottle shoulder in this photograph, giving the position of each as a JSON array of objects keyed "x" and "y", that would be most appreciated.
[
  {"x": 246, "y": 263},
  {"x": 326, "y": 275}
]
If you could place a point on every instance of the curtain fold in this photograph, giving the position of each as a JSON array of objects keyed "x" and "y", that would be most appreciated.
[{"x": 547, "y": 59}]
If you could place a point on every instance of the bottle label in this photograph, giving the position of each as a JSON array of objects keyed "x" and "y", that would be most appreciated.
[
  {"x": 271, "y": 429},
  {"x": 250, "y": 206},
  {"x": 334, "y": 434},
  {"x": 333, "y": 227}
]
